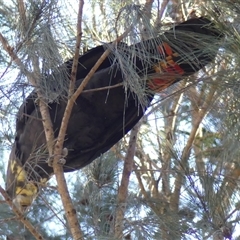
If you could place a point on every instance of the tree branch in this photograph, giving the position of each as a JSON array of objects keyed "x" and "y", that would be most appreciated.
[
  {"x": 58, "y": 170},
  {"x": 48, "y": 128},
  {"x": 70, "y": 211},
  {"x": 13, "y": 55},
  {"x": 22, "y": 13},
  {"x": 32, "y": 78},
  {"x": 77, "y": 49},
  {"x": 123, "y": 189},
  {"x": 170, "y": 125},
  {"x": 20, "y": 216},
  {"x": 161, "y": 11},
  {"x": 143, "y": 190}
]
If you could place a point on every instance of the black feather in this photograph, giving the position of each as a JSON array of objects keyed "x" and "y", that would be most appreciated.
[{"x": 100, "y": 119}]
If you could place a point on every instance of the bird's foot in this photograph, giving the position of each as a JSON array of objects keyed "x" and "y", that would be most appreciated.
[
  {"x": 50, "y": 161},
  {"x": 64, "y": 152},
  {"x": 62, "y": 159}
]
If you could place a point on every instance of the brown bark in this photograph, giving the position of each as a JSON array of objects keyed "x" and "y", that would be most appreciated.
[{"x": 69, "y": 209}]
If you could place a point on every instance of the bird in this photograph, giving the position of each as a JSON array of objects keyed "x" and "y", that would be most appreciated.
[{"x": 109, "y": 107}]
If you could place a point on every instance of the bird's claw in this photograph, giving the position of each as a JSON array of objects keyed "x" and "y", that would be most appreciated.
[
  {"x": 62, "y": 159},
  {"x": 64, "y": 152},
  {"x": 50, "y": 161}
]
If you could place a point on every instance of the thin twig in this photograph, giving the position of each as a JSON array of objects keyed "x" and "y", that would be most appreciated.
[
  {"x": 170, "y": 125},
  {"x": 94, "y": 69},
  {"x": 77, "y": 49},
  {"x": 161, "y": 11},
  {"x": 103, "y": 88},
  {"x": 123, "y": 188},
  {"x": 187, "y": 149},
  {"x": 32, "y": 117},
  {"x": 20, "y": 216},
  {"x": 143, "y": 190},
  {"x": 22, "y": 13},
  {"x": 12, "y": 54}
]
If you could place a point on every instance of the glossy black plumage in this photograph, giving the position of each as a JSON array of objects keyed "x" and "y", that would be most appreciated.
[{"x": 101, "y": 118}]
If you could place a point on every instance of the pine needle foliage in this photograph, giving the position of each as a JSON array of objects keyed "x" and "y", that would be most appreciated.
[{"x": 185, "y": 179}]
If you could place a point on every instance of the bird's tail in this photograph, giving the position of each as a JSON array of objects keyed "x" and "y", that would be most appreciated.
[{"x": 180, "y": 52}]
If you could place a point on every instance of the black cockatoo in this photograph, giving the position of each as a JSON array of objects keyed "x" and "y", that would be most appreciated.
[{"x": 101, "y": 118}]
